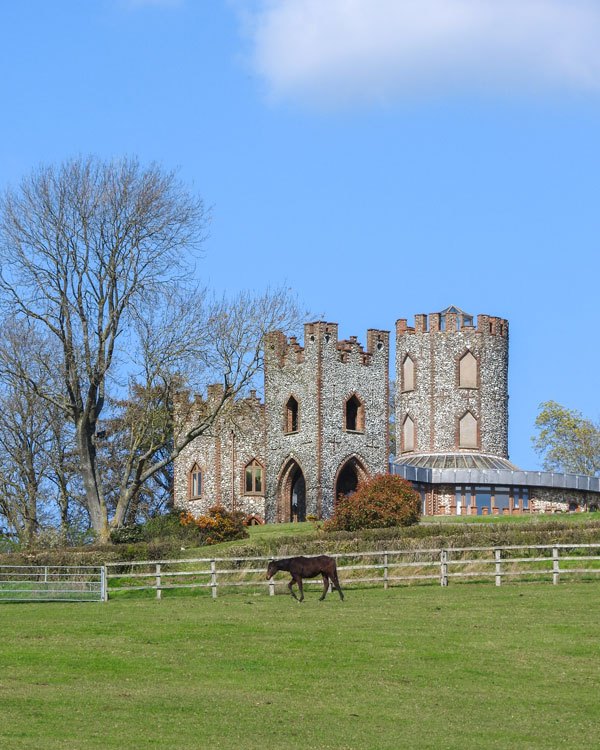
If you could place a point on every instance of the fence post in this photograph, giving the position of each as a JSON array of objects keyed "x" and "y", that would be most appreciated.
[
  {"x": 104, "y": 583},
  {"x": 271, "y": 583},
  {"x": 498, "y": 557},
  {"x": 45, "y": 574},
  {"x": 158, "y": 577},
  {"x": 385, "y": 570},
  {"x": 555, "y": 566},
  {"x": 213, "y": 578},
  {"x": 443, "y": 567}
]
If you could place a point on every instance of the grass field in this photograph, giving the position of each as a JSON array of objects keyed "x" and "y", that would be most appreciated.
[{"x": 471, "y": 666}]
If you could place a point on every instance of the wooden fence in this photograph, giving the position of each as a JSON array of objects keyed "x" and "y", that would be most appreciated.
[{"x": 379, "y": 568}]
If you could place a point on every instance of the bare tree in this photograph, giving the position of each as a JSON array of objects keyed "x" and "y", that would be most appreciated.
[
  {"x": 23, "y": 432},
  {"x": 37, "y": 456},
  {"x": 81, "y": 245},
  {"x": 23, "y": 440},
  {"x": 94, "y": 256},
  {"x": 189, "y": 344}
]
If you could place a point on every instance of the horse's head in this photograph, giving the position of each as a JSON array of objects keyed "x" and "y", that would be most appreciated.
[{"x": 272, "y": 569}]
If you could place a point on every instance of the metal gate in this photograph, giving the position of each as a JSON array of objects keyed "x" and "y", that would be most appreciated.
[{"x": 52, "y": 583}]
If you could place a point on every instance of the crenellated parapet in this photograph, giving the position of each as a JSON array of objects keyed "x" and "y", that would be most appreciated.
[
  {"x": 318, "y": 336},
  {"x": 451, "y": 322}
]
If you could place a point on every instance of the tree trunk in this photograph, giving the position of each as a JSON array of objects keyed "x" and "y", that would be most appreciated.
[{"x": 94, "y": 497}]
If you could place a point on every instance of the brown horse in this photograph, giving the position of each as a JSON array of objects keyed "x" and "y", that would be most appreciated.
[{"x": 308, "y": 567}]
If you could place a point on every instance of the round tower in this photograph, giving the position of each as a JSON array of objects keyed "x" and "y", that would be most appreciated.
[{"x": 452, "y": 385}]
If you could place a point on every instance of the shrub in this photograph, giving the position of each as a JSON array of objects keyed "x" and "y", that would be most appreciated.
[
  {"x": 174, "y": 526},
  {"x": 127, "y": 534},
  {"x": 219, "y": 525},
  {"x": 385, "y": 500}
]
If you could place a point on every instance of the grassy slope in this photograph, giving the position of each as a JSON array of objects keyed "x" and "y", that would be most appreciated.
[
  {"x": 305, "y": 538},
  {"x": 466, "y": 667}
]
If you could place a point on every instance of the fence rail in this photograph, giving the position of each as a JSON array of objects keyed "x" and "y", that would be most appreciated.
[
  {"x": 75, "y": 583},
  {"x": 377, "y": 568}
]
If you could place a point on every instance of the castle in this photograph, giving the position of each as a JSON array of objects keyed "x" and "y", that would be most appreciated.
[{"x": 324, "y": 426}]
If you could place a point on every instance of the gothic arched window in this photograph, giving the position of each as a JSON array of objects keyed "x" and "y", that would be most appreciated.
[
  {"x": 253, "y": 478},
  {"x": 292, "y": 410},
  {"x": 195, "y": 482},
  {"x": 408, "y": 373},
  {"x": 467, "y": 431},
  {"x": 354, "y": 414},
  {"x": 408, "y": 434},
  {"x": 467, "y": 371}
]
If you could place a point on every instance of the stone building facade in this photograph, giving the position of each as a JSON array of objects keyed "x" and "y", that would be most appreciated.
[
  {"x": 451, "y": 415},
  {"x": 225, "y": 465},
  {"x": 324, "y": 425},
  {"x": 326, "y": 418}
]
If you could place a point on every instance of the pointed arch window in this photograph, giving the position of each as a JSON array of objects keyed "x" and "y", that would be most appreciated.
[
  {"x": 408, "y": 373},
  {"x": 195, "y": 482},
  {"x": 468, "y": 431},
  {"x": 354, "y": 414},
  {"x": 468, "y": 371},
  {"x": 408, "y": 434},
  {"x": 292, "y": 415},
  {"x": 254, "y": 478}
]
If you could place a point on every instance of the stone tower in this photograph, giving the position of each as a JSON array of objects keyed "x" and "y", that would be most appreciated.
[
  {"x": 326, "y": 409},
  {"x": 452, "y": 385}
]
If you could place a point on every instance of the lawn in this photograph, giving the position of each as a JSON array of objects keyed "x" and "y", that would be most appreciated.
[{"x": 470, "y": 666}]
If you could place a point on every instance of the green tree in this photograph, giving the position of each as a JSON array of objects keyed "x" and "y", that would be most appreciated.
[{"x": 566, "y": 440}]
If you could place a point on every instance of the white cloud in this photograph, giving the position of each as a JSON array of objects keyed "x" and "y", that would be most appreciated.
[{"x": 346, "y": 50}]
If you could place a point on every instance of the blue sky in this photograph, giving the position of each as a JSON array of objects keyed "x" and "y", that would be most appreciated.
[{"x": 380, "y": 157}]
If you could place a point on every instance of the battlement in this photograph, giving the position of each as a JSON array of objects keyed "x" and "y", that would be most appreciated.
[
  {"x": 452, "y": 320},
  {"x": 187, "y": 405},
  {"x": 320, "y": 333}
]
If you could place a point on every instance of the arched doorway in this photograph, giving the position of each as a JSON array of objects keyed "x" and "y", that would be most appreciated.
[
  {"x": 350, "y": 473},
  {"x": 291, "y": 493},
  {"x": 298, "y": 509}
]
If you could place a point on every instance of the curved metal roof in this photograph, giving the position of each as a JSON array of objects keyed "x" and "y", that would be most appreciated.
[
  {"x": 456, "y": 461},
  {"x": 428, "y": 469}
]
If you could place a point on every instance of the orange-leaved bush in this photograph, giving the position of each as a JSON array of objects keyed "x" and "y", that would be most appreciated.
[
  {"x": 384, "y": 500},
  {"x": 219, "y": 525}
]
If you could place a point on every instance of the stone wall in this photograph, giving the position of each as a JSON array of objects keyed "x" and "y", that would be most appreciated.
[{"x": 551, "y": 500}]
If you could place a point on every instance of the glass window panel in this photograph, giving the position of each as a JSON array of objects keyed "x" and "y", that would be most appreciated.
[
  {"x": 458, "y": 500},
  {"x": 196, "y": 484},
  {"x": 501, "y": 500},
  {"x": 483, "y": 500}
]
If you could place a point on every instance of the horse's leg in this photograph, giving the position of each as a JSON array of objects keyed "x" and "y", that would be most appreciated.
[
  {"x": 292, "y": 592},
  {"x": 336, "y": 584},
  {"x": 325, "y": 586},
  {"x": 299, "y": 582}
]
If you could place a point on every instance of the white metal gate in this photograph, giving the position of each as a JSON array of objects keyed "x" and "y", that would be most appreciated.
[{"x": 50, "y": 583}]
